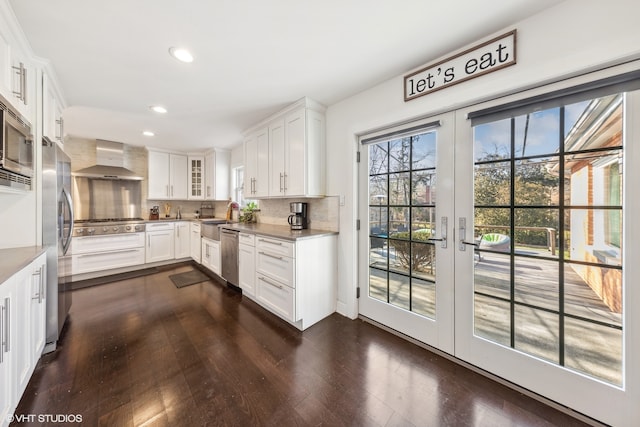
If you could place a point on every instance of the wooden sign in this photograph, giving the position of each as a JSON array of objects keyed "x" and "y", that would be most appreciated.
[{"x": 486, "y": 58}]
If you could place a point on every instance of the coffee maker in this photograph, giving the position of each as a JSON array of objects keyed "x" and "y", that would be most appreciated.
[{"x": 298, "y": 218}]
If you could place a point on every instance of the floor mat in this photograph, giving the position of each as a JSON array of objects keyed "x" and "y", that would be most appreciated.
[{"x": 188, "y": 278}]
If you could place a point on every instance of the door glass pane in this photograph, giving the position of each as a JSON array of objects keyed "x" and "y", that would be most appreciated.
[
  {"x": 492, "y": 319},
  {"x": 423, "y": 297},
  {"x": 399, "y": 155},
  {"x": 402, "y": 217},
  {"x": 492, "y": 184},
  {"x": 537, "y": 282},
  {"x": 423, "y": 187},
  {"x": 537, "y": 182},
  {"x": 548, "y": 261},
  {"x": 492, "y": 141},
  {"x": 536, "y": 231},
  {"x": 537, "y": 133},
  {"x": 594, "y": 349},
  {"x": 536, "y": 332}
]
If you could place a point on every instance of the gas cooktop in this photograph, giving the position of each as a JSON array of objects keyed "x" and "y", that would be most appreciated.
[
  {"x": 91, "y": 221},
  {"x": 97, "y": 227}
]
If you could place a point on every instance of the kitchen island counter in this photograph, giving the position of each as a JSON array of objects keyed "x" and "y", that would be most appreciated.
[
  {"x": 278, "y": 231},
  {"x": 13, "y": 260}
]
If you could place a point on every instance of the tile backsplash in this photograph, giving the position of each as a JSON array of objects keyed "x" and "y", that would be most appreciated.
[{"x": 324, "y": 213}]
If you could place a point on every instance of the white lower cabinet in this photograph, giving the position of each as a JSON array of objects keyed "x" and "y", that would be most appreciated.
[
  {"x": 101, "y": 253},
  {"x": 247, "y": 264},
  {"x": 22, "y": 332},
  {"x": 194, "y": 242},
  {"x": 296, "y": 280},
  {"x": 22, "y": 347},
  {"x": 276, "y": 297},
  {"x": 211, "y": 255},
  {"x": 160, "y": 242},
  {"x": 8, "y": 376},
  {"x": 38, "y": 308},
  {"x": 182, "y": 247}
]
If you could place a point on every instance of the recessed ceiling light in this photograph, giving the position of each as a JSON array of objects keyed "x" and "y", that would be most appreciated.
[
  {"x": 158, "y": 109},
  {"x": 148, "y": 133},
  {"x": 181, "y": 54}
]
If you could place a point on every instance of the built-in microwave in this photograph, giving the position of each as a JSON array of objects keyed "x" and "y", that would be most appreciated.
[{"x": 16, "y": 150}]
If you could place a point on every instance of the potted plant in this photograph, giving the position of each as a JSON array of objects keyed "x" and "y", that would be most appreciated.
[{"x": 249, "y": 213}]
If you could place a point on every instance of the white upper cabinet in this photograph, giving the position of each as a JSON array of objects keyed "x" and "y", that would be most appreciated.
[
  {"x": 217, "y": 175},
  {"x": 277, "y": 172},
  {"x": 287, "y": 158},
  {"x": 305, "y": 153},
  {"x": 175, "y": 176},
  {"x": 17, "y": 73},
  {"x": 52, "y": 106},
  {"x": 168, "y": 176},
  {"x": 256, "y": 164},
  {"x": 196, "y": 178}
]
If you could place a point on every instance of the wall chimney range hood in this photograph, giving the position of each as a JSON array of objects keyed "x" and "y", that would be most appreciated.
[{"x": 109, "y": 163}]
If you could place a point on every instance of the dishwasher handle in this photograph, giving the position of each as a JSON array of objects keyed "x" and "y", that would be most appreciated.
[{"x": 230, "y": 233}]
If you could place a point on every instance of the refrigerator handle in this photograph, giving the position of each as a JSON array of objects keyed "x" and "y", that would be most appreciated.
[{"x": 67, "y": 241}]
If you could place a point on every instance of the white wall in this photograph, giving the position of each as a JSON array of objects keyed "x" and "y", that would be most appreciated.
[
  {"x": 572, "y": 38},
  {"x": 18, "y": 219},
  {"x": 237, "y": 156}
]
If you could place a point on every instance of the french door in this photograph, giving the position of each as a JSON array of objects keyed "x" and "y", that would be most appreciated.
[
  {"x": 508, "y": 245},
  {"x": 406, "y": 177}
]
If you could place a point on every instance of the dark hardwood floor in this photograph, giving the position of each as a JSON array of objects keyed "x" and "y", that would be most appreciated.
[{"x": 142, "y": 352}]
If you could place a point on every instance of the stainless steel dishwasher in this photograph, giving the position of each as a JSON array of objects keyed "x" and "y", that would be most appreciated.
[{"x": 229, "y": 246}]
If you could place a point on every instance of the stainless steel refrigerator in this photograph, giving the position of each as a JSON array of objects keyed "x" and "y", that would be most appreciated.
[{"x": 57, "y": 228}]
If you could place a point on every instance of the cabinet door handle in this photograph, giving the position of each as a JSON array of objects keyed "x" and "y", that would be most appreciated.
[
  {"x": 43, "y": 289},
  {"x": 271, "y": 256},
  {"x": 172, "y": 191},
  {"x": 148, "y": 241},
  {"x": 285, "y": 182},
  {"x": 39, "y": 295},
  {"x": 168, "y": 191},
  {"x": 275, "y": 285},
  {"x": 281, "y": 182},
  {"x": 270, "y": 242},
  {"x": 21, "y": 93}
]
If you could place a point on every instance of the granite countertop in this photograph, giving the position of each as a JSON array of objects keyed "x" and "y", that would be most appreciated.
[
  {"x": 174, "y": 219},
  {"x": 15, "y": 259},
  {"x": 279, "y": 231}
]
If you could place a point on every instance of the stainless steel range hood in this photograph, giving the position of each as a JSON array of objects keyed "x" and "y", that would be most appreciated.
[{"x": 109, "y": 163}]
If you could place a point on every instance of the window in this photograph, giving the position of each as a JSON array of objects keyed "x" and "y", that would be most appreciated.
[
  {"x": 547, "y": 217},
  {"x": 238, "y": 185}
]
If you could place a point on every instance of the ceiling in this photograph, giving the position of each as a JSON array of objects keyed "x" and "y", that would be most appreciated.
[{"x": 252, "y": 57}]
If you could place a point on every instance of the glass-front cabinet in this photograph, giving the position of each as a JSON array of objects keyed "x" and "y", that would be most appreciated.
[{"x": 196, "y": 177}]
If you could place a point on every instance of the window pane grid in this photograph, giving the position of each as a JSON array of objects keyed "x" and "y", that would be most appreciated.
[
  {"x": 535, "y": 205},
  {"x": 402, "y": 184}
]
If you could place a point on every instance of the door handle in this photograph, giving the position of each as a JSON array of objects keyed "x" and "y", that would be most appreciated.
[
  {"x": 7, "y": 325},
  {"x": 462, "y": 243},
  {"x": 443, "y": 233},
  {"x": 67, "y": 241}
]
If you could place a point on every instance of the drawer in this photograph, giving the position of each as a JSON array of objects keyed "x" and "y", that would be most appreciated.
[
  {"x": 156, "y": 226},
  {"x": 280, "y": 268},
  {"x": 275, "y": 246},
  {"x": 86, "y": 263},
  {"x": 247, "y": 239},
  {"x": 276, "y": 297},
  {"x": 81, "y": 245}
]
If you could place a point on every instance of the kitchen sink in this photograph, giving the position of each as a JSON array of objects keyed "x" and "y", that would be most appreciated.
[{"x": 210, "y": 229}]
